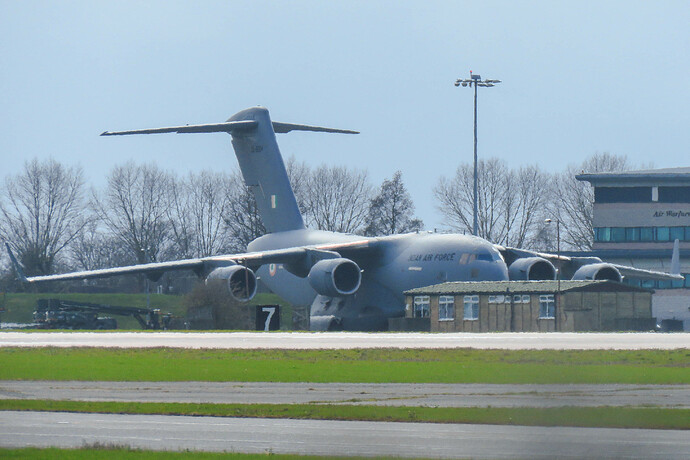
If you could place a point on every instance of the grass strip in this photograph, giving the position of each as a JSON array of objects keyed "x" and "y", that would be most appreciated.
[
  {"x": 115, "y": 452},
  {"x": 362, "y": 365},
  {"x": 610, "y": 417}
]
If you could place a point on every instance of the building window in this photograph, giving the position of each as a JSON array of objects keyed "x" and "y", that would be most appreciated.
[
  {"x": 674, "y": 194},
  {"x": 421, "y": 306},
  {"x": 617, "y": 234},
  {"x": 624, "y": 194},
  {"x": 663, "y": 284},
  {"x": 547, "y": 307},
  {"x": 648, "y": 284},
  {"x": 603, "y": 234},
  {"x": 662, "y": 233},
  {"x": 677, "y": 284},
  {"x": 525, "y": 299},
  {"x": 646, "y": 234},
  {"x": 677, "y": 233},
  {"x": 640, "y": 234},
  {"x": 632, "y": 234},
  {"x": 471, "y": 307},
  {"x": 446, "y": 308}
]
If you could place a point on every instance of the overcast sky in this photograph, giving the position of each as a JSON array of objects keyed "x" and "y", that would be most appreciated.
[{"x": 579, "y": 77}]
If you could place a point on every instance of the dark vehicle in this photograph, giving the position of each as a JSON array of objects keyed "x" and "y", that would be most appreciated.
[{"x": 63, "y": 314}]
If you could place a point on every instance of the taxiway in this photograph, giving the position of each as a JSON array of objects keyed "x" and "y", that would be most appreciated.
[
  {"x": 383, "y": 394},
  {"x": 326, "y": 437}
]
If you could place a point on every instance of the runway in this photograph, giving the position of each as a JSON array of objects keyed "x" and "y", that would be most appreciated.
[
  {"x": 383, "y": 394},
  {"x": 344, "y": 340},
  {"x": 315, "y": 437}
]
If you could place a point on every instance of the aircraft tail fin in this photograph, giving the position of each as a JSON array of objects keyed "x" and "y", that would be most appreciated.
[
  {"x": 675, "y": 258},
  {"x": 253, "y": 138},
  {"x": 17, "y": 266}
]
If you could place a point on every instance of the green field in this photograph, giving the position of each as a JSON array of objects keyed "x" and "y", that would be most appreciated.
[
  {"x": 19, "y": 307},
  {"x": 369, "y": 365},
  {"x": 611, "y": 417}
]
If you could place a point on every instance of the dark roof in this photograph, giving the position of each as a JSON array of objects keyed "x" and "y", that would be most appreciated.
[
  {"x": 521, "y": 287},
  {"x": 640, "y": 175}
]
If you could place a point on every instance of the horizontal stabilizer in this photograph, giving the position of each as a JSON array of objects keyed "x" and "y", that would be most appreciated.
[
  {"x": 226, "y": 127},
  {"x": 279, "y": 127}
]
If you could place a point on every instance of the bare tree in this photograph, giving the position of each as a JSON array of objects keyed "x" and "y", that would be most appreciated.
[
  {"x": 198, "y": 205},
  {"x": 241, "y": 217},
  {"x": 299, "y": 174},
  {"x": 573, "y": 200},
  {"x": 41, "y": 210},
  {"x": 391, "y": 210},
  {"x": 524, "y": 205},
  {"x": 134, "y": 207},
  {"x": 338, "y": 199},
  {"x": 93, "y": 249},
  {"x": 509, "y": 201}
]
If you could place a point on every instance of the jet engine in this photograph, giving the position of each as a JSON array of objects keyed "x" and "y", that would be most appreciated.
[
  {"x": 335, "y": 277},
  {"x": 531, "y": 268},
  {"x": 600, "y": 271},
  {"x": 241, "y": 281}
]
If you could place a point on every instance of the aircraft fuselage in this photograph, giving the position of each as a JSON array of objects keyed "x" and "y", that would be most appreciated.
[{"x": 402, "y": 262}]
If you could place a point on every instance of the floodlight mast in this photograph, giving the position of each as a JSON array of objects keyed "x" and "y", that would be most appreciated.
[{"x": 475, "y": 80}]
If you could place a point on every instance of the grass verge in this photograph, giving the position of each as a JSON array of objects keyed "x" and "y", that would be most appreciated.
[
  {"x": 364, "y": 365},
  {"x": 610, "y": 417},
  {"x": 107, "y": 452}
]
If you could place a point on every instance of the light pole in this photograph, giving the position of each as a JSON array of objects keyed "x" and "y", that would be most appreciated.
[
  {"x": 147, "y": 259},
  {"x": 475, "y": 80},
  {"x": 558, "y": 271}
]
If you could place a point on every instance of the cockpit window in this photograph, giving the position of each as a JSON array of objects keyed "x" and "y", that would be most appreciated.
[{"x": 485, "y": 256}]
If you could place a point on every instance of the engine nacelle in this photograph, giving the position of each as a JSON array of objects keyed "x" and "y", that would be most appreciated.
[
  {"x": 335, "y": 277},
  {"x": 532, "y": 269},
  {"x": 600, "y": 271},
  {"x": 241, "y": 281}
]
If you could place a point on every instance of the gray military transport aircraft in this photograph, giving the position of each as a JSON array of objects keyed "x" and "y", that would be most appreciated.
[{"x": 349, "y": 281}]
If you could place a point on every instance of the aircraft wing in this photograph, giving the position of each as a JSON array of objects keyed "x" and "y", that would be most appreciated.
[
  {"x": 571, "y": 264},
  {"x": 296, "y": 256},
  {"x": 639, "y": 273}
]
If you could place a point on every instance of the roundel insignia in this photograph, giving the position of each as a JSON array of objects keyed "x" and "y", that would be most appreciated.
[{"x": 272, "y": 269}]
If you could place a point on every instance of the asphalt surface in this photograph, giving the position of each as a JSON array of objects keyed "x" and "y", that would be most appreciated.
[
  {"x": 20, "y": 429},
  {"x": 384, "y": 394},
  {"x": 340, "y": 340},
  {"x": 316, "y": 437}
]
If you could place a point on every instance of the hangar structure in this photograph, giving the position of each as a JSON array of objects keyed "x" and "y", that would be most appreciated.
[
  {"x": 529, "y": 306},
  {"x": 637, "y": 217}
]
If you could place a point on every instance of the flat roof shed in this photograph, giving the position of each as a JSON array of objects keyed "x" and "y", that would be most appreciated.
[{"x": 523, "y": 306}]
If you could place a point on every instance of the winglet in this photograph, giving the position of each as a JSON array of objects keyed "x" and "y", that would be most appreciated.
[
  {"x": 16, "y": 264},
  {"x": 675, "y": 259}
]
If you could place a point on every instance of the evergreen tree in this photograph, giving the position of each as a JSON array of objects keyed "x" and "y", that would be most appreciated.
[{"x": 391, "y": 211}]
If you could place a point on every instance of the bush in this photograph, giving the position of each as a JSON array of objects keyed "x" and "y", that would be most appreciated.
[{"x": 210, "y": 306}]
